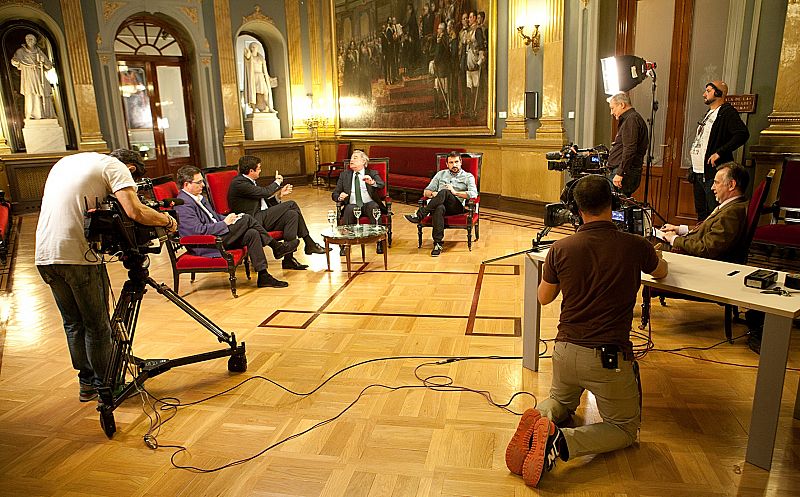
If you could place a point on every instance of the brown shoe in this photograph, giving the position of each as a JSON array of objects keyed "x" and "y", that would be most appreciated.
[{"x": 520, "y": 443}]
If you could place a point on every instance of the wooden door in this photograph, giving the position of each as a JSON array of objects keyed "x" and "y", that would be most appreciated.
[{"x": 156, "y": 101}]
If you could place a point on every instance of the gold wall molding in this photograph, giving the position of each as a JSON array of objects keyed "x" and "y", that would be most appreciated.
[
  {"x": 257, "y": 15},
  {"x": 90, "y": 136},
  {"x": 23, "y": 3},
  {"x": 231, "y": 141},
  {"x": 294, "y": 44},
  {"x": 784, "y": 120},
  {"x": 109, "y": 8},
  {"x": 191, "y": 13}
]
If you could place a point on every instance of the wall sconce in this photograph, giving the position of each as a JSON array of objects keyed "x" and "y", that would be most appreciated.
[{"x": 534, "y": 40}]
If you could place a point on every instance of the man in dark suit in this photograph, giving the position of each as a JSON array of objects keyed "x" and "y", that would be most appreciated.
[
  {"x": 197, "y": 217},
  {"x": 245, "y": 196},
  {"x": 359, "y": 187}
]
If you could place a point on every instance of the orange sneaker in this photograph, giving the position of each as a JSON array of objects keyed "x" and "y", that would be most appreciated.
[
  {"x": 520, "y": 443},
  {"x": 545, "y": 449}
]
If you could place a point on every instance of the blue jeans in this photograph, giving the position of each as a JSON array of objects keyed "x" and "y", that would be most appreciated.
[{"x": 81, "y": 293}]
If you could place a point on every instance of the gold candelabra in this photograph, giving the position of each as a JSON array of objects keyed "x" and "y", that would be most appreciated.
[
  {"x": 314, "y": 122},
  {"x": 534, "y": 40}
]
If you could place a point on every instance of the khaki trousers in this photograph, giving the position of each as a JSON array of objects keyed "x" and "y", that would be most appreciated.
[{"x": 617, "y": 393}]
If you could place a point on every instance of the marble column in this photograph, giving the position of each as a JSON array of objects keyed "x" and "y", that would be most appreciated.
[
  {"x": 294, "y": 43},
  {"x": 516, "y": 123},
  {"x": 232, "y": 111},
  {"x": 552, "y": 120},
  {"x": 90, "y": 136}
]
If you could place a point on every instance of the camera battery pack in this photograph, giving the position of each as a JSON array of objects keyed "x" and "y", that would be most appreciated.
[{"x": 761, "y": 279}]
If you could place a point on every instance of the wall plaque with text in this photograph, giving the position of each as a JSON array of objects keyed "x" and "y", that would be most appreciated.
[{"x": 743, "y": 103}]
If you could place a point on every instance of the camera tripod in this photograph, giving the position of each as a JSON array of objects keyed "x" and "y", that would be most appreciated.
[
  {"x": 537, "y": 244},
  {"x": 123, "y": 327}
]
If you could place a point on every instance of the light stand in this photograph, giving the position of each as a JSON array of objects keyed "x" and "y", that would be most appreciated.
[{"x": 123, "y": 327}]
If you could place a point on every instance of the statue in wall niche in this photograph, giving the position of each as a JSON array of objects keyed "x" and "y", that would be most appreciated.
[
  {"x": 32, "y": 63},
  {"x": 257, "y": 83}
]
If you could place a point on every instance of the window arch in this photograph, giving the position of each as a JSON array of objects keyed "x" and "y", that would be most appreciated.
[{"x": 146, "y": 37}]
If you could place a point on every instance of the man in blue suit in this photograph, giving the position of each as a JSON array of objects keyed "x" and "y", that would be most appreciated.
[{"x": 197, "y": 217}]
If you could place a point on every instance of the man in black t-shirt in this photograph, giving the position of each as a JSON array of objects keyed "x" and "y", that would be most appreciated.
[{"x": 598, "y": 271}]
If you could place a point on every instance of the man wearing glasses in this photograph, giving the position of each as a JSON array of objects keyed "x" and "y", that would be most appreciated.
[
  {"x": 197, "y": 217},
  {"x": 719, "y": 134}
]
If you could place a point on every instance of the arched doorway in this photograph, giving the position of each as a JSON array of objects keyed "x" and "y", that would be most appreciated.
[{"x": 155, "y": 88}]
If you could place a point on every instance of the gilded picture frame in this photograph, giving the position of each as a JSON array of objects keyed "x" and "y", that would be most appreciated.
[{"x": 417, "y": 67}]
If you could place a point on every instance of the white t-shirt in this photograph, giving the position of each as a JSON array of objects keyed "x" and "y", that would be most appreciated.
[
  {"x": 60, "y": 237},
  {"x": 700, "y": 144}
]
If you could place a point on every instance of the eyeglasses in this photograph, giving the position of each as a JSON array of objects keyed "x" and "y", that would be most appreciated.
[{"x": 198, "y": 182}]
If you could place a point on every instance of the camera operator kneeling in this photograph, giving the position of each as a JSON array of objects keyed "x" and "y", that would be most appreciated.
[
  {"x": 76, "y": 277},
  {"x": 598, "y": 271}
]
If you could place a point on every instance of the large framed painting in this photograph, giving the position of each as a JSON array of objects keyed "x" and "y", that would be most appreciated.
[{"x": 415, "y": 67}]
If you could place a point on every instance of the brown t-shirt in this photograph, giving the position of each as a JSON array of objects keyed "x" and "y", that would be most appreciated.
[{"x": 599, "y": 271}]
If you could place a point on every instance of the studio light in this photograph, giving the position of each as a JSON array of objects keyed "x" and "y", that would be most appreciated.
[{"x": 623, "y": 72}]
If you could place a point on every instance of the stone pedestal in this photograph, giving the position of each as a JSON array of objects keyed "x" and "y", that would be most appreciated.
[
  {"x": 43, "y": 136},
  {"x": 262, "y": 126}
]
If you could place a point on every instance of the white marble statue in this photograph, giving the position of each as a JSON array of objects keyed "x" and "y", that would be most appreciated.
[
  {"x": 32, "y": 63},
  {"x": 257, "y": 83}
]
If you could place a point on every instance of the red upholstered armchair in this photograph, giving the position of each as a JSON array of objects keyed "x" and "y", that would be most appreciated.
[
  {"x": 330, "y": 171},
  {"x": 470, "y": 163},
  {"x": 5, "y": 226},
  {"x": 738, "y": 255},
  {"x": 184, "y": 262},
  {"x": 784, "y": 230},
  {"x": 381, "y": 165}
]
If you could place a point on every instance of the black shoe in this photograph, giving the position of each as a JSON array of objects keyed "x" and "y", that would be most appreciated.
[
  {"x": 289, "y": 262},
  {"x": 267, "y": 280},
  {"x": 280, "y": 249},
  {"x": 412, "y": 218},
  {"x": 379, "y": 248},
  {"x": 315, "y": 248},
  {"x": 437, "y": 249},
  {"x": 343, "y": 250}
]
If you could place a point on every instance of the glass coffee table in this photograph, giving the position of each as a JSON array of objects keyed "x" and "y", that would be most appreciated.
[{"x": 355, "y": 234}]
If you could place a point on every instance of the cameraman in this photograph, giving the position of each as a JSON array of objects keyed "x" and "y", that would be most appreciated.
[
  {"x": 77, "y": 278},
  {"x": 593, "y": 350},
  {"x": 630, "y": 145}
]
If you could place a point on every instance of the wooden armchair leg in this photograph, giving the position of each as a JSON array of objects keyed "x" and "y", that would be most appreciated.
[
  {"x": 176, "y": 278},
  {"x": 469, "y": 238},
  {"x": 233, "y": 283},
  {"x": 419, "y": 235}
]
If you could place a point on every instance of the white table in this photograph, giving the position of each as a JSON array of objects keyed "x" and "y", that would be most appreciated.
[{"x": 710, "y": 280}]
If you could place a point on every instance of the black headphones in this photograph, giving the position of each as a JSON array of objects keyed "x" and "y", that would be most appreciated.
[
  {"x": 717, "y": 91},
  {"x": 568, "y": 197}
]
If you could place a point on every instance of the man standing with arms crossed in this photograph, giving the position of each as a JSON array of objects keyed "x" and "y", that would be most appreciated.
[
  {"x": 719, "y": 134},
  {"x": 593, "y": 350}
]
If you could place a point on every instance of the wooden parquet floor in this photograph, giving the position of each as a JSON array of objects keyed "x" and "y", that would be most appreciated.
[{"x": 401, "y": 442}]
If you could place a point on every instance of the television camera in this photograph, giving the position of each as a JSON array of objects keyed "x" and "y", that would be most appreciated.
[
  {"x": 111, "y": 231},
  {"x": 579, "y": 161}
]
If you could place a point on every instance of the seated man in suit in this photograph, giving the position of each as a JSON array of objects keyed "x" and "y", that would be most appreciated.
[
  {"x": 197, "y": 217},
  {"x": 447, "y": 192},
  {"x": 359, "y": 187},
  {"x": 245, "y": 196},
  {"x": 721, "y": 234}
]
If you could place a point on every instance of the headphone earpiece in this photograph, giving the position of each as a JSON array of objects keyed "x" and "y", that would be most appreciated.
[{"x": 717, "y": 93}]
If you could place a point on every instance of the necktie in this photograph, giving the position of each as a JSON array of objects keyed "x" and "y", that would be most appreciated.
[{"x": 357, "y": 186}]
